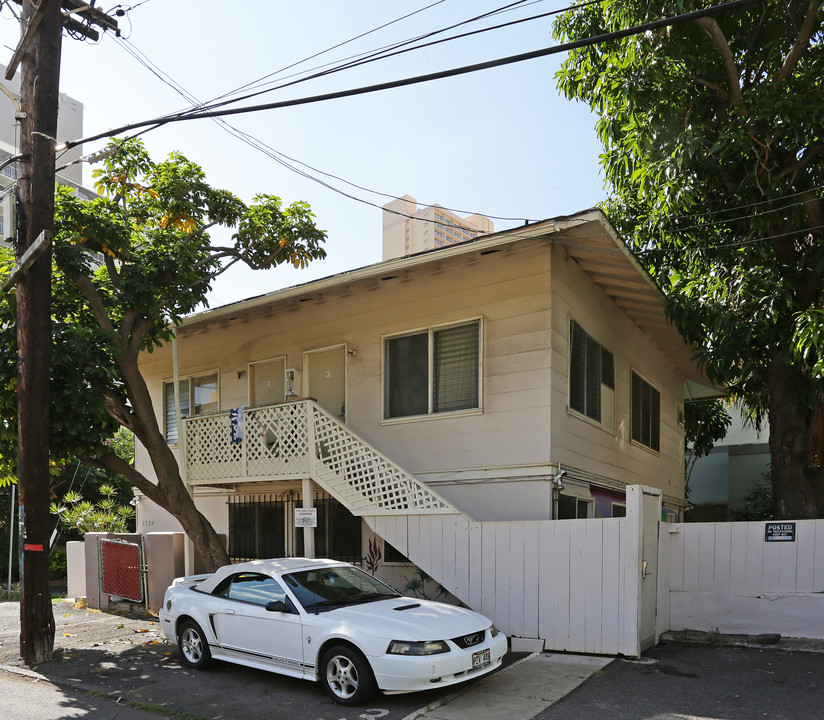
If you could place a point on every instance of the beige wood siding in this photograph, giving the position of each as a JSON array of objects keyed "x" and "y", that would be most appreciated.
[
  {"x": 508, "y": 290},
  {"x": 581, "y": 443}
]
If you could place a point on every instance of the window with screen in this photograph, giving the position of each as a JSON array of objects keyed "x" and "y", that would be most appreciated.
[
  {"x": 198, "y": 395},
  {"x": 432, "y": 371},
  {"x": 591, "y": 377},
  {"x": 646, "y": 413}
]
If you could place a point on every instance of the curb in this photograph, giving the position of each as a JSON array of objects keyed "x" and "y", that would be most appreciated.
[{"x": 773, "y": 641}]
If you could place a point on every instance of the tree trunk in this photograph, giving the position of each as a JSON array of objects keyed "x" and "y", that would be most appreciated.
[
  {"x": 206, "y": 540},
  {"x": 798, "y": 488},
  {"x": 170, "y": 493}
]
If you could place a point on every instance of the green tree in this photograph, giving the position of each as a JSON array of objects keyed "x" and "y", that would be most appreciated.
[
  {"x": 714, "y": 140},
  {"x": 127, "y": 268},
  {"x": 83, "y": 516},
  {"x": 705, "y": 423}
]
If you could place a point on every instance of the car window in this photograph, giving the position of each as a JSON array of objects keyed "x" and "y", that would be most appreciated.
[
  {"x": 254, "y": 588},
  {"x": 336, "y": 586}
]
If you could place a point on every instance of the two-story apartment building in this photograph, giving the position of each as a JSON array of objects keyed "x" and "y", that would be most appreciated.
[{"x": 527, "y": 375}]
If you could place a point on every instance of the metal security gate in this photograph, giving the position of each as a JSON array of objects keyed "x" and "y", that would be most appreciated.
[
  {"x": 122, "y": 569},
  {"x": 260, "y": 527},
  {"x": 338, "y": 534},
  {"x": 263, "y": 526}
]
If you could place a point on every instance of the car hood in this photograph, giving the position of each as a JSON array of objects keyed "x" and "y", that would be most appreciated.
[{"x": 411, "y": 619}]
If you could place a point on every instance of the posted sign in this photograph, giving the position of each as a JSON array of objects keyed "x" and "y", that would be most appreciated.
[
  {"x": 306, "y": 517},
  {"x": 779, "y": 532}
]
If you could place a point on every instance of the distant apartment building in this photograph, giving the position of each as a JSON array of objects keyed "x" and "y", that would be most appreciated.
[
  {"x": 408, "y": 230},
  {"x": 69, "y": 127}
]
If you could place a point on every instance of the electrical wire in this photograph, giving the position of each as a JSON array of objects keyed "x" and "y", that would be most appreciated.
[
  {"x": 730, "y": 245},
  {"x": 429, "y": 77},
  {"x": 279, "y": 157},
  {"x": 396, "y": 49},
  {"x": 329, "y": 49}
]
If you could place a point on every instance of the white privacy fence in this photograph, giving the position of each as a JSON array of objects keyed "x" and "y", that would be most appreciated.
[
  {"x": 601, "y": 586},
  {"x": 574, "y": 585},
  {"x": 744, "y": 577}
]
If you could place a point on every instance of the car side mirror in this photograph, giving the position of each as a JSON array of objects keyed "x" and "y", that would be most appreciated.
[{"x": 278, "y": 606}]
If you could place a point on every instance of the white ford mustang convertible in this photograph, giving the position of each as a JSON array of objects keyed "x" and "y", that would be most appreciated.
[{"x": 328, "y": 621}]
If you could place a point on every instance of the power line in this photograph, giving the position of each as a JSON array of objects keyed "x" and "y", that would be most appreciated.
[
  {"x": 722, "y": 246},
  {"x": 279, "y": 157},
  {"x": 476, "y": 67},
  {"x": 399, "y": 48}
]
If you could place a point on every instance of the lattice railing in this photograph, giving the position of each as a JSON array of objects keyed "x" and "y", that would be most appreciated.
[{"x": 300, "y": 439}]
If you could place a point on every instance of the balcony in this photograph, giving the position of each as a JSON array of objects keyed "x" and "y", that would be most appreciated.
[{"x": 297, "y": 440}]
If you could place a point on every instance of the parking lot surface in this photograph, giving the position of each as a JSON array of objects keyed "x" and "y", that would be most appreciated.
[
  {"x": 701, "y": 682},
  {"x": 121, "y": 667},
  {"x": 127, "y": 659}
]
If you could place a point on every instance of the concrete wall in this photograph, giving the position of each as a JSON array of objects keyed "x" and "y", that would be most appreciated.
[
  {"x": 726, "y": 577},
  {"x": 76, "y": 568}
]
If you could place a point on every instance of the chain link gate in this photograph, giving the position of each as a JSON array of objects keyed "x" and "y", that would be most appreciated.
[{"x": 122, "y": 570}]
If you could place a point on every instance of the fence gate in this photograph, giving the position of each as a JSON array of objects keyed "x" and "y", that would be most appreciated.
[{"x": 122, "y": 569}]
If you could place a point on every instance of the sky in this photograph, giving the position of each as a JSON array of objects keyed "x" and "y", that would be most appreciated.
[{"x": 501, "y": 142}]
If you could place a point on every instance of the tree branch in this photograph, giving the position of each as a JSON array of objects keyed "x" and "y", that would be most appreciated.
[
  {"x": 804, "y": 35},
  {"x": 112, "y": 270},
  {"x": 711, "y": 27},
  {"x": 95, "y": 302},
  {"x": 117, "y": 464},
  {"x": 797, "y": 167},
  {"x": 712, "y": 86}
]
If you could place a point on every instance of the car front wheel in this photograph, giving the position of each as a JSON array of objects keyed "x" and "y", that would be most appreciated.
[
  {"x": 194, "y": 649},
  {"x": 346, "y": 676}
]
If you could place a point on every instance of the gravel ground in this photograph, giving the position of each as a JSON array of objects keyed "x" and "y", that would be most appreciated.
[{"x": 78, "y": 627}]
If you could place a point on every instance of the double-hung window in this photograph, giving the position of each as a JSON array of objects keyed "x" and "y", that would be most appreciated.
[
  {"x": 591, "y": 377},
  {"x": 432, "y": 371},
  {"x": 646, "y": 413},
  {"x": 197, "y": 395}
]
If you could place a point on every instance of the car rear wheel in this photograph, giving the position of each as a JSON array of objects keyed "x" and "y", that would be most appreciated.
[
  {"x": 346, "y": 675},
  {"x": 194, "y": 648}
]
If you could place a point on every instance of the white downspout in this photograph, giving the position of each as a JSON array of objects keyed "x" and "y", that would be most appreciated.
[{"x": 188, "y": 545}]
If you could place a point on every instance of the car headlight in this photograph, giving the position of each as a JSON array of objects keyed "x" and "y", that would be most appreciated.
[
  {"x": 493, "y": 631},
  {"x": 404, "y": 647}
]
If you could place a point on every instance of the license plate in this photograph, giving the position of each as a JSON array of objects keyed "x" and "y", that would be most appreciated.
[{"x": 480, "y": 658}]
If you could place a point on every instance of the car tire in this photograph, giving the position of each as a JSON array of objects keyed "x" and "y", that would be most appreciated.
[
  {"x": 194, "y": 648},
  {"x": 346, "y": 675}
]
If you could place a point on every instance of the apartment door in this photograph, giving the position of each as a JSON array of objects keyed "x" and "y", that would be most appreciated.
[
  {"x": 267, "y": 381},
  {"x": 325, "y": 373}
]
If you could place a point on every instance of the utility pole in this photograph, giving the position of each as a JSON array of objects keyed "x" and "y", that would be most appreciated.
[
  {"x": 38, "y": 99},
  {"x": 39, "y": 56}
]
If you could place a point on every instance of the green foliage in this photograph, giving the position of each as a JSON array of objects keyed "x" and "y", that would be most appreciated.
[
  {"x": 82, "y": 516},
  {"x": 714, "y": 153},
  {"x": 127, "y": 267},
  {"x": 717, "y": 184},
  {"x": 420, "y": 586},
  {"x": 758, "y": 503},
  {"x": 58, "y": 565},
  {"x": 705, "y": 423}
]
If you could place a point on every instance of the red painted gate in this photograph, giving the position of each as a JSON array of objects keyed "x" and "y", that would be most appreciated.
[{"x": 122, "y": 569}]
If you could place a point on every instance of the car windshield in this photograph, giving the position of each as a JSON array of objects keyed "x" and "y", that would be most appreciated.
[{"x": 322, "y": 589}]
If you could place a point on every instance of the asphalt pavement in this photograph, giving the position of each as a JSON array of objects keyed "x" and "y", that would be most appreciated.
[{"x": 120, "y": 666}]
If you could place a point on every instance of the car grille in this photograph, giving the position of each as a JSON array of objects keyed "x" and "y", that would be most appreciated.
[{"x": 468, "y": 641}]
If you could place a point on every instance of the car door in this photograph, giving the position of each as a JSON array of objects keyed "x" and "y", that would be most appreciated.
[{"x": 251, "y": 634}]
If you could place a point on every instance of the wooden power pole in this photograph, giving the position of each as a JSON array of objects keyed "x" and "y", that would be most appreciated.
[
  {"x": 39, "y": 56},
  {"x": 38, "y": 99}
]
